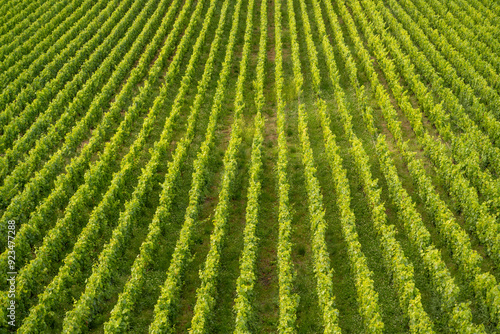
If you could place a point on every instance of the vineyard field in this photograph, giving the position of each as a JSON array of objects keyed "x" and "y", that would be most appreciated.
[{"x": 249, "y": 166}]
